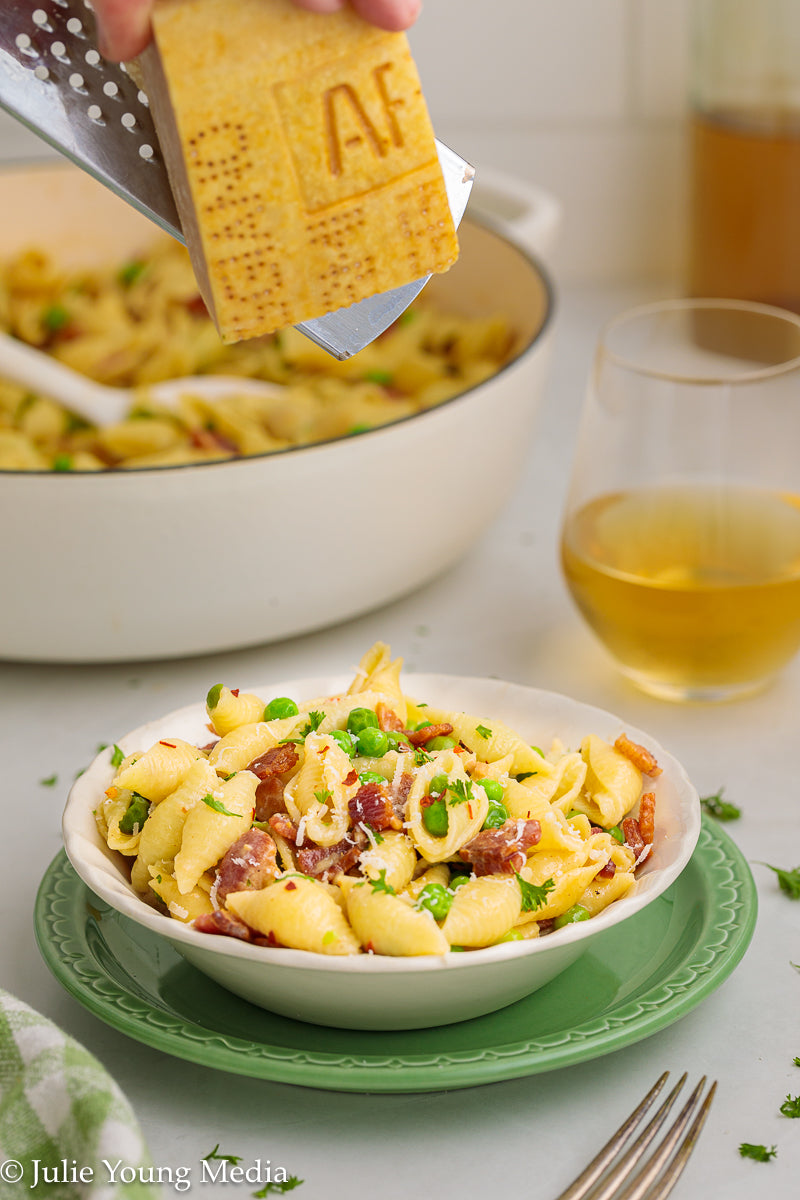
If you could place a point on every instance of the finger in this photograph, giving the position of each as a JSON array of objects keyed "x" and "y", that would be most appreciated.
[
  {"x": 123, "y": 27},
  {"x": 393, "y": 15}
]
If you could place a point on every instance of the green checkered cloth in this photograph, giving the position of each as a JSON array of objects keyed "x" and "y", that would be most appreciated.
[{"x": 61, "y": 1113}]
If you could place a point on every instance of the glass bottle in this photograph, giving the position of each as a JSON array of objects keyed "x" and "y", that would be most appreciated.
[{"x": 745, "y": 151}]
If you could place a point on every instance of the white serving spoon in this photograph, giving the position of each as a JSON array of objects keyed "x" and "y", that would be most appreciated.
[{"x": 103, "y": 405}]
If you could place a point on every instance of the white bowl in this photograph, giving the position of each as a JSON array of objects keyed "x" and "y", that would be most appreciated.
[
  {"x": 464, "y": 455},
  {"x": 371, "y": 991}
]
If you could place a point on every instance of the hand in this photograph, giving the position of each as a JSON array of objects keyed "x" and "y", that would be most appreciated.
[{"x": 124, "y": 25}]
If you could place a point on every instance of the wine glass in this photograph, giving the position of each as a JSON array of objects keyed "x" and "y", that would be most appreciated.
[{"x": 681, "y": 536}]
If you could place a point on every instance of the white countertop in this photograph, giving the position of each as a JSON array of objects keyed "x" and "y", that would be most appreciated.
[{"x": 502, "y": 611}]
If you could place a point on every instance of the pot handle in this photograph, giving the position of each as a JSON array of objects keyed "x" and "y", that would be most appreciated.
[{"x": 527, "y": 213}]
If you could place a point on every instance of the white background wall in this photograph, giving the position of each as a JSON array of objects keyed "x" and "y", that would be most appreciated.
[{"x": 583, "y": 97}]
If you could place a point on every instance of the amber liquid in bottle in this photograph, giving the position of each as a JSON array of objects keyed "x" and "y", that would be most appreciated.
[{"x": 745, "y": 207}]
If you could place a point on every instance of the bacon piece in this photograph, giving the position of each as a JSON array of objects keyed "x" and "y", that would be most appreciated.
[
  {"x": 223, "y": 922},
  {"x": 634, "y": 839},
  {"x": 398, "y": 792},
  {"x": 420, "y": 737},
  {"x": 251, "y": 862},
  {"x": 387, "y": 718},
  {"x": 501, "y": 851},
  {"x": 209, "y": 746},
  {"x": 270, "y": 767},
  {"x": 647, "y": 817},
  {"x": 282, "y": 824},
  {"x": 275, "y": 761},
  {"x": 638, "y": 755},
  {"x": 322, "y": 862},
  {"x": 372, "y": 806},
  {"x": 608, "y": 871}
]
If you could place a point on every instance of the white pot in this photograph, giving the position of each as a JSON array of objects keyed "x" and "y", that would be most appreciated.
[{"x": 192, "y": 559}]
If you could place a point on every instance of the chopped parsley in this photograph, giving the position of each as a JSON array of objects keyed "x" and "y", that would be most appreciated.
[
  {"x": 233, "y": 1159},
  {"x": 385, "y": 378},
  {"x": 132, "y": 271},
  {"x": 380, "y": 884},
  {"x": 796, "y": 1061},
  {"x": 51, "y": 781},
  {"x": 759, "y": 1153},
  {"x": 723, "y": 810},
  {"x": 523, "y": 775},
  {"x": 135, "y": 814},
  {"x": 117, "y": 756},
  {"x": 373, "y": 833},
  {"x": 315, "y": 719},
  {"x": 791, "y": 1106},
  {"x": 483, "y": 731},
  {"x": 788, "y": 881},
  {"x": 534, "y": 895},
  {"x": 323, "y": 797},
  {"x": 62, "y": 462},
  {"x": 461, "y": 791},
  {"x": 276, "y": 1188},
  {"x": 214, "y": 693},
  {"x": 218, "y": 806}
]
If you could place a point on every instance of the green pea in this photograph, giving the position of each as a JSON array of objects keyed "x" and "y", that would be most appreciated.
[
  {"x": 280, "y": 707},
  {"x": 435, "y": 818},
  {"x": 496, "y": 816},
  {"x": 372, "y": 742},
  {"x": 513, "y": 935},
  {"x": 457, "y": 881},
  {"x": 371, "y": 777},
  {"x": 572, "y": 916},
  {"x": 438, "y": 785},
  {"x": 493, "y": 788},
  {"x": 617, "y": 833},
  {"x": 437, "y": 899},
  {"x": 440, "y": 743},
  {"x": 362, "y": 718},
  {"x": 345, "y": 741},
  {"x": 135, "y": 814},
  {"x": 397, "y": 741}
]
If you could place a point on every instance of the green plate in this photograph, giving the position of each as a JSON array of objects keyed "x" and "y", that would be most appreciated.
[{"x": 635, "y": 980}]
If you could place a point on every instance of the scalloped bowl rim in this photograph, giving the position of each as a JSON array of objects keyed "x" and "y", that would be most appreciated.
[{"x": 100, "y": 868}]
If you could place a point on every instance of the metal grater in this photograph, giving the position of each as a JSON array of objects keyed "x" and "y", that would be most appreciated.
[{"x": 54, "y": 80}]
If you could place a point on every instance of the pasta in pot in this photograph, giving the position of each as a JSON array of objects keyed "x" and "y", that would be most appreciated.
[
  {"x": 143, "y": 322},
  {"x": 370, "y": 822}
]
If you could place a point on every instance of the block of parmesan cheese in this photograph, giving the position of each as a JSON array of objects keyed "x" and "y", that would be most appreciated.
[{"x": 301, "y": 155}]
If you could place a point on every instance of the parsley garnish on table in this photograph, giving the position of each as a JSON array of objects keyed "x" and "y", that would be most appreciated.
[
  {"x": 791, "y": 1106},
  {"x": 788, "y": 881},
  {"x": 233, "y": 1159},
  {"x": 278, "y": 1189},
  {"x": 715, "y": 806},
  {"x": 759, "y": 1153}
]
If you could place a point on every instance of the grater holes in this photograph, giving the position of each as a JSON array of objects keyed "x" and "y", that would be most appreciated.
[
  {"x": 92, "y": 58},
  {"x": 142, "y": 98},
  {"x": 128, "y": 120},
  {"x": 23, "y": 43},
  {"x": 39, "y": 18},
  {"x": 110, "y": 89},
  {"x": 59, "y": 51},
  {"x": 41, "y": 72},
  {"x": 76, "y": 82},
  {"x": 75, "y": 27},
  {"x": 146, "y": 152},
  {"x": 95, "y": 113}
]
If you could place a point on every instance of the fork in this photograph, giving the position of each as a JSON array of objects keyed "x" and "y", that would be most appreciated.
[{"x": 658, "y": 1175}]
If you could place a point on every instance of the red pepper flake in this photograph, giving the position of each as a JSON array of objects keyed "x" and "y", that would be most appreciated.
[
  {"x": 351, "y": 777},
  {"x": 469, "y": 810},
  {"x": 291, "y": 886},
  {"x": 171, "y": 745},
  {"x": 234, "y": 691},
  {"x": 272, "y": 940}
]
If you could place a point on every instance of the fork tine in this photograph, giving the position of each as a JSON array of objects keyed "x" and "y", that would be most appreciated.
[
  {"x": 580, "y": 1186},
  {"x": 670, "y": 1177},
  {"x": 609, "y": 1186}
]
